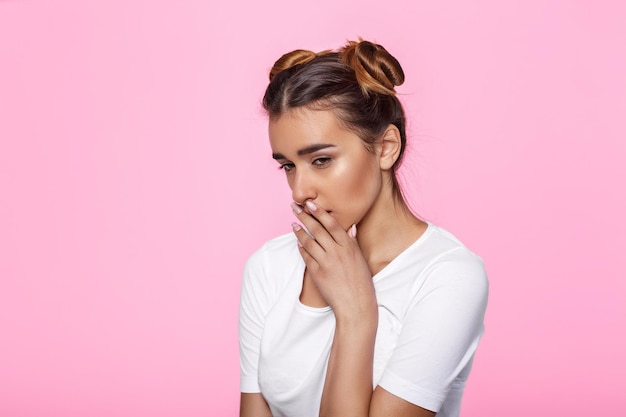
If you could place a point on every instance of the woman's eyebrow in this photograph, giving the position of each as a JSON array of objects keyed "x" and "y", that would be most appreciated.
[{"x": 306, "y": 151}]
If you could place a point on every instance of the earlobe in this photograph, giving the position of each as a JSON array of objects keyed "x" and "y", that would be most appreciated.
[{"x": 390, "y": 147}]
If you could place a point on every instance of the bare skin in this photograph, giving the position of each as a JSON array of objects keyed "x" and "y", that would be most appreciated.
[{"x": 337, "y": 185}]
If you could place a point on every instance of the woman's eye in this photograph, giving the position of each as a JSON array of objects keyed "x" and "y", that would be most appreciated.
[
  {"x": 286, "y": 167},
  {"x": 321, "y": 162}
]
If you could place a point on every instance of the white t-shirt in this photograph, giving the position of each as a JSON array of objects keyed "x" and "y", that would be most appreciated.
[{"x": 431, "y": 304}]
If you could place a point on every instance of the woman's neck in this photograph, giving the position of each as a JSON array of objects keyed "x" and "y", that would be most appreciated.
[{"x": 387, "y": 230}]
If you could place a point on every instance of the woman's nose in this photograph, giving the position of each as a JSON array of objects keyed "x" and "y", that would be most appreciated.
[{"x": 302, "y": 188}]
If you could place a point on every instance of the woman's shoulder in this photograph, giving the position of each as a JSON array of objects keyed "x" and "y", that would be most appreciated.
[
  {"x": 440, "y": 243},
  {"x": 278, "y": 252},
  {"x": 268, "y": 271},
  {"x": 450, "y": 258},
  {"x": 278, "y": 246}
]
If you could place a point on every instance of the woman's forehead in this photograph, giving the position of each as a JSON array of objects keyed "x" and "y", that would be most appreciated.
[{"x": 306, "y": 124}]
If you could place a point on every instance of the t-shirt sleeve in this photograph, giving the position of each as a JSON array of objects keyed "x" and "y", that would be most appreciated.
[
  {"x": 440, "y": 331},
  {"x": 252, "y": 314}
]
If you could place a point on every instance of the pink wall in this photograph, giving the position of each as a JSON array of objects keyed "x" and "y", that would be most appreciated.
[{"x": 135, "y": 179}]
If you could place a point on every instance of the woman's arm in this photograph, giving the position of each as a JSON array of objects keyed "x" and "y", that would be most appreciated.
[
  {"x": 253, "y": 405},
  {"x": 386, "y": 404},
  {"x": 255, "y": 299},
  {"x": 336, "y": 265},
  {"x": 348, "y": 385},
  {"x": 440, "y": 332}
]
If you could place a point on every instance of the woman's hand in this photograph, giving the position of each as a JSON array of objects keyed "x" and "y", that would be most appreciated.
[{"x": 335, "y": 263}]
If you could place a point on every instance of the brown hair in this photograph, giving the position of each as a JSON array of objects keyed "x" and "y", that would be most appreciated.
[{"x": 356, "y": 82}]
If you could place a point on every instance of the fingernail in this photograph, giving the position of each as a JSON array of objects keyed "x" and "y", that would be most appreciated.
[
  {"x": 296, "y": 227},
  {"x": 310, "y": 205},
  {"x": 296, "y": 207},
  {"x": 299, "y": 244},
  {"x": 352, "y": 231}
]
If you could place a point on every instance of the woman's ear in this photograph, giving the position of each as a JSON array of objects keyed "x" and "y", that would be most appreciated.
[{"x": 390, "y": 147}]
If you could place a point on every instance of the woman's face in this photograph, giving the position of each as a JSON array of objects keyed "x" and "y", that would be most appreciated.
[{"x": 326, "y": 163}]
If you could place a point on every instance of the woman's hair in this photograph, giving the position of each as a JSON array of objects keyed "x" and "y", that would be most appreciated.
[{"x": 356, "y": 82}]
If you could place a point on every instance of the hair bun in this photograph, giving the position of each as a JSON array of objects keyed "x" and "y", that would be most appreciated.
[
  {"x": 376, "y": 69},
  {"x": 299, "y": 56}
]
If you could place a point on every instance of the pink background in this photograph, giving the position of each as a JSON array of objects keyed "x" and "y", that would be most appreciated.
[{"x": 136, "y": 178}]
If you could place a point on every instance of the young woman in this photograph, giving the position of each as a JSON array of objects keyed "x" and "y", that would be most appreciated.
[{"x": 364, "y": 310}]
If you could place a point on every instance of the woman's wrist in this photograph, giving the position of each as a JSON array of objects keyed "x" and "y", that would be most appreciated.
[
  {"x": 360, "y": 316},
  {"x": 364, "y": 323}
]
